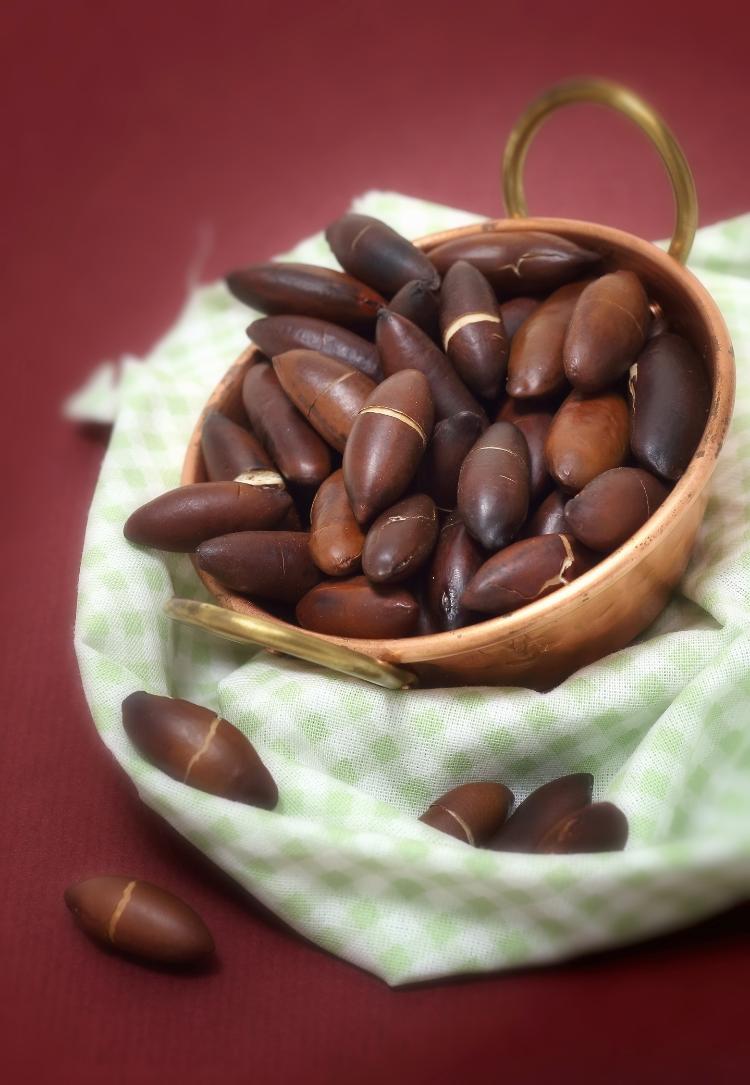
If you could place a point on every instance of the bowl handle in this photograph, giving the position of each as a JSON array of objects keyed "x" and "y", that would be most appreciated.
[
  {"x": 289, "y": 641},
  {"x": 620, "y": 98}
]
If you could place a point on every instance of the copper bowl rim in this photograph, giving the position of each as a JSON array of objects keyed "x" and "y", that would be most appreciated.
[{"x": 614, "y": 566}]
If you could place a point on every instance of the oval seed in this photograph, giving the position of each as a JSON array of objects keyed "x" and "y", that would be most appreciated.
[
  {"x": 401, "y": 540},
  {"x": 328, "y": 393},
  {"x": 229, "y": 449},
  {"x": 588, "y": 435},
  {"x": 613, "y": 506},
  {"x": 307, "y": 290},
  {"x": 493, "y": 486},
  {"x": 456, "y": 560},
  {"x": 534, "y": 422},
  {"x": 607, "y": 331},
  {"x": 542, "y": 810},
  {"x": 451, "y": 441},
  {"x": 278, "y": 334},
  {"x": 373, "y": 252},
  {"x": 474, "y": 336},
  {"x": 336, "y": 539},
  {"x": 270, "y": 564},
  {"x": 419, "y": 302},
  {"x": 471, "y": 812},
  {"x": 357, "y": 608},
  {"x": 524, "y": 572},
  {"x": 596, "y": 828},
  {"x": 535, "y": 365}
]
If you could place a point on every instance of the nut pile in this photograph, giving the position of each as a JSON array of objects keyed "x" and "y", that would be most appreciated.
[{"x": 435, "y": 438}]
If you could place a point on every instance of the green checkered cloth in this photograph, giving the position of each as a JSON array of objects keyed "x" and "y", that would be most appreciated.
[{"x": 343, "y": 859}]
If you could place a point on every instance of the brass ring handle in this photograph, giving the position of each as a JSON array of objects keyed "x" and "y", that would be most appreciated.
[
  {"x": 625, "y": 101},
  {"x": 289, "y": 641}
]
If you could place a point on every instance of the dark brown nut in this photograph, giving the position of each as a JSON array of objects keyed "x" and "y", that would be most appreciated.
[
  {"x": 457, "y": 557},
  {"x": 181, "y": 519},
  {"x": 535, "y": 366},
  {"x": 141, "y": 919},
  {"x": 270, "y": 564},
  {"x": 403, "y": 345},
  {"x": 493, "y": 487},
  {"x": 472, "y": 813},
  {"x": 336, "y": 539},
  {"x": 515, "y": 312},
  {"x": 419, "y": 302},
  {"x": 472, "y": 328},
  {"x": 549, "y": 518},
  {"x": 401, "y": 540},
  {"x": 517, "y": 262},
  {"x": 328, "y": 393},
  {"x": 524, "y": 572},
  {"x": 230, "y": 450},
  {"x": 307, "y": 290},
  {"x": 534, "y": 424},
  {"x": 195, "y": 746},
  {"x": 376, "y": 254},
  {"x": 451, "y": 441},
  {"x": 588, "y": 436},
  {"x": 542, "y": 810},
  {"x": 613, "y": 506},
  {"x": 596, "y": 828},
  {"x": 607, "y": 331},
  {"x": 356, "y": 608},
  {"x": 671, "y": 400},
  {"x": 277, "y": 334},
  {"x": 297, "y": 450},
  {"x": 386, "y": 443}
]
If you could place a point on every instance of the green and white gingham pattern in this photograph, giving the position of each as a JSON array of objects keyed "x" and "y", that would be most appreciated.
[{"x": 662, "y": 724}]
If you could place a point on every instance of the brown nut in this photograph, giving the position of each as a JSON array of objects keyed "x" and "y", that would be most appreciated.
[
  {"x": 524, "y": 572},
  {"x": 377, "y": 254},
  {"x": 516, "y": 262},
  {"x": 493, "y": 486},
  {"x": 139, "y": 918},
  {"x": 542, "y": 810},
  {"x": 596, "y": 828},
  {"x": 457, "y": 557},
  {"x": 535, "y": 366},
  {"x": 270, "y": 564},
  {"x": 549, "y": 518},
  {"x": 607, "y": 331},
  {"x": 471, "y": 812},
  {"x": 277, "y": 334},
  {"x": 472, "y": 328},
  {"x": 336, "y": 539},
  {"x": 419, "y": 302},
  {"x": 297, "y": 450},
  {"x": 181, "y": 519},
  {"x": 515, "y": 312},
  {"x": 386, "y": 443},
  {"x": 451, "y": 441},
  {"x": 671, "y": 400},
  {"x": 613, "y": 506},
  {"x": 401, "y": 540},
  {"x": 534, "y": 423},
  {"x": 328, "y": 393},
  {"x": 356, "y": 608},
  {"x": 403, "y": 345},
  {"x": 195, "y": 746},
  {"x": 588, "y": 435},
  {"x": 307, "y": 290},
  {"x": 230, "y": 450}
]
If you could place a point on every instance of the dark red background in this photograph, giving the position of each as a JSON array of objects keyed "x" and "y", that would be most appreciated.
[{"x": 145, "y": 143}]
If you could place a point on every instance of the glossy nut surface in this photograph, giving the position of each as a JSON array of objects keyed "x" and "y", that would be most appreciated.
[
  {"x": 373, "y": 252},
  {"x": 419, "y": 302},
  {"x": 328, "y": 393},
  {"x": 515, "y": 311},
  {"x": 671, "y": 400},
  {"x": 613, "y": 506},
  {"x": 298, "y": 451},
  {"x": 535, "y": 365},
  {"x": 472, "y": 329},
  {"x": 534, "y": 424},
  {"x": 493, "y": 486},
  {"x": 455, "y": 561},
  {"x": 139, "y": 918},
  {"x": 401, "y": 540},
  {"x": 549, "y": 518},
  {"x": 526, "y": 262},
  {"x": 588, "y": 435},
  {"x": 229, "y": 449},
  {"x": 596, "y": 828},
  {"x": 307, "y": 290},
  {"x": 336, "y": 539},
  {"x": 472, "y": 812},
  {"x": 277, "y": 334},
  {"x": 607, "y": 331},
  {"x": 195, "y": 746},
  {"x": 386, "y": 443},
  {"x": 402, "y": 345},
  {"x": 179, "y": 520},
  {"x": 525, "y": 571},
  {"x": 357, "y": 608},
  {"x": 451, "y": 441},
  {"x": 270, "y": 564},
  {"x": 542, "y": 810}
]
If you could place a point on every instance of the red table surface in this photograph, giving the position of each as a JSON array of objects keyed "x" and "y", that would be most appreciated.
[{"x": 150, "y": 144}]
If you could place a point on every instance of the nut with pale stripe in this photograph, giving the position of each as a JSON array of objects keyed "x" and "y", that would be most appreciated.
[
  {"x": 472, "y": 812},
  {"x": 195, "y": 746},
  {"x": 473, "y": 331},
  {"x": 540, "y": 812},
  {"x": 139, "y": 918}
]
